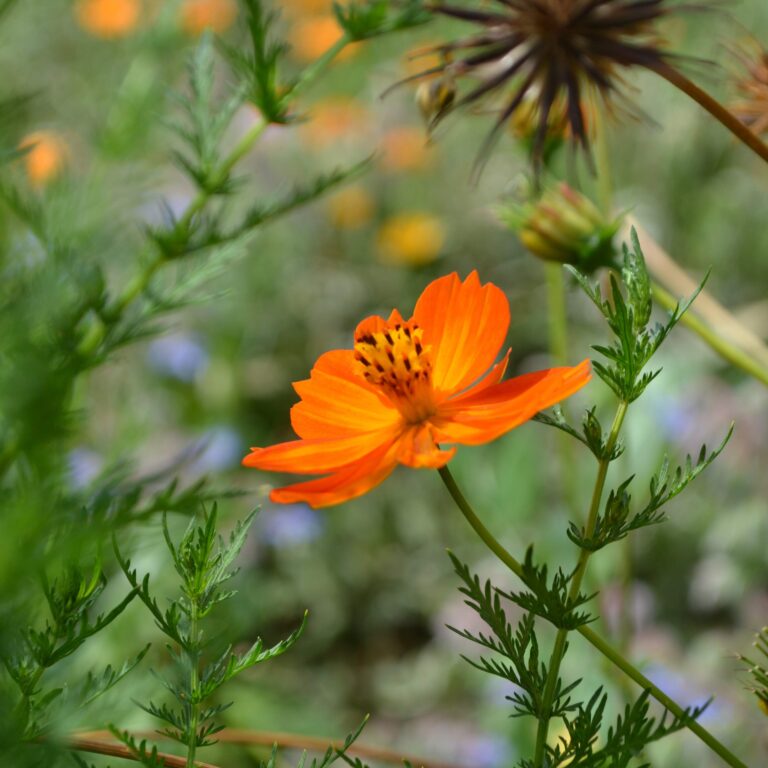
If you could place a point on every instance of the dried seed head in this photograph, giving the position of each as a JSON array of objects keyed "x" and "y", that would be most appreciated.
[
  {"x": 547, "y": 58},
  {"x": 752, "y": 86}
]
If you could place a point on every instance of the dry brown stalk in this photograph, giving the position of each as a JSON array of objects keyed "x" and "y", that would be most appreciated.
[
  {"x": 87, "y": 743},
  {"x": 247, "y": 737}
]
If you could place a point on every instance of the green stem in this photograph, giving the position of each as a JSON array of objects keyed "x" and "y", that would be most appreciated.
[
  {"x": 558, "y": 328},
  {"x": 603, "y": 166},
  {"x": 558, "y": 651},
  {"x": 587, "y": 633},
  {"x": 725, "y": 349},
  {"x": 193, "y": 653},
  {"x": 558, "y": 352},
  {"x": 310, "y": 74},
  {"x": 633, "y": 673}
]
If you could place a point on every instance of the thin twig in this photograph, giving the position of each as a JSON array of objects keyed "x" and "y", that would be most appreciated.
[
  {"x": 292, "y": 741},
  {"x": 715, "y": 108},
  {"x": 87, "y": 743}
]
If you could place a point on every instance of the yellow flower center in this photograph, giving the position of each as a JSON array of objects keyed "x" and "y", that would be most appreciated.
[{"x": 396, "y": 361}]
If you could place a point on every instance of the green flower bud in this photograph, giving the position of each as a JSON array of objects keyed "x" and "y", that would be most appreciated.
[{"x": 564, "y": 226}]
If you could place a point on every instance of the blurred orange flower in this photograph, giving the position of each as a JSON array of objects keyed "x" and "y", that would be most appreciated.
[
  {"x": 46, "y": 157},
  {"x": 351, "y": 208},
  {"x": 334, "y": 119},
  {"x": 405, "y": 149},
  {"x": 301, "y": 7},
  {"x": 199, "y": 15},
  {"x": 408, "y": 387},
  {"x": 311, "y": 37},
  {"x": 411, "y": 238},
  {"x": 108, "y": 18}
]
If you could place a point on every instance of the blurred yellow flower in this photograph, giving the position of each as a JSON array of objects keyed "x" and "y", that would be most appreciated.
[
  {"x": 411, "y": 238},
  {"x": 334, "y": 119},
  {"x": 108, "y": 18},
  {"x": 405, "y": 149},
  {"x": 351, "y": 208},
  {"x": 46, "y": 157},
  {"x": 198, "y": 15},
  {"x": 311, "y": 37}
]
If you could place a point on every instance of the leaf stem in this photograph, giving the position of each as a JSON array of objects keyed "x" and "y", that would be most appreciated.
[
  {"x": 586, "y": 632},
  {"x": 717, "y": 343},
  {"x": 715, "y": 108},
  {"x": 561, "y": 638}
]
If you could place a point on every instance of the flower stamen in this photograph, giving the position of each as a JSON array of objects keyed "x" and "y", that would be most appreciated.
[{"x": 396, "y": 361}]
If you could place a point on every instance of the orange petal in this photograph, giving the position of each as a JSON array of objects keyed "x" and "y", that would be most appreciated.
[
  {"x": 485, "y": 415},
  {"x": 465, "y": 323},
  {"x": 336, "y": 402},
  {"x": 417, "y": 448},
  {"x": 376, "y": 323},
  {"x": 316, "y": 457},
  {"x": 348, "y": 483},
  {"x": 494, "y": 376}
]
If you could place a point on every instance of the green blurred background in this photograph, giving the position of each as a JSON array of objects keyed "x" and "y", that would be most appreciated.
[{"x": 216, "y": 377}]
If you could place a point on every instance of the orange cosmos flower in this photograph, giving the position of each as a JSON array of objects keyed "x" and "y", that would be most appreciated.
[
  {"x": 108, "y": 18},
  {"x": 45, "y": 158},
  {"x": 199, "y": 15},
  {"x": 408, "y": 387},
  {"x": 310, "y": 38}
]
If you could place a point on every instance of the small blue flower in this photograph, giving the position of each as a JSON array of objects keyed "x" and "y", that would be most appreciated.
[
  {"x": 84, "y": 466},
  {"x": 180, "y": 356},
  {"x": 219, "y": 449},
  {"x": 290, "y": 525}
]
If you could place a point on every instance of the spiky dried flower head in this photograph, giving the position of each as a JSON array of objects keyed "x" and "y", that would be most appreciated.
[
  {"x": 556, "y": 54},
  {"x": 752, "y": 87}
]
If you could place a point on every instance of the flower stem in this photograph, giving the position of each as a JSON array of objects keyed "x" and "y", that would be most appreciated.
[
  {"x": 561, "y": 638},
  {"x": 603, "y": 165},
  {"x": 193, "y": 652},
  {"x": 632, "y": 672},
  {"x": 558, "y": 329},
  {"x": 558, "y": 352},
  {"x": 586, "y": 632},
  {"x": 724, "y": 348},
  {"x": 715, "y": 108}
]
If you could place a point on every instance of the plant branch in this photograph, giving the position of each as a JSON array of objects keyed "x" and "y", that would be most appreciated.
[
  {"x": 587, "y": 633},
  {"x": 138, "y": 285},
  {"x": 89, "y": 744},
  {"x": 581, "y": 567},
  {"x": 247, "y": 737},
  {"x": 715, "y": 108}
]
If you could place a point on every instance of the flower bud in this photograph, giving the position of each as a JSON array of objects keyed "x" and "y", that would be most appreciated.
[
  {"x": 564, "y": 226},
  {"x": 435, "y": 97}
]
